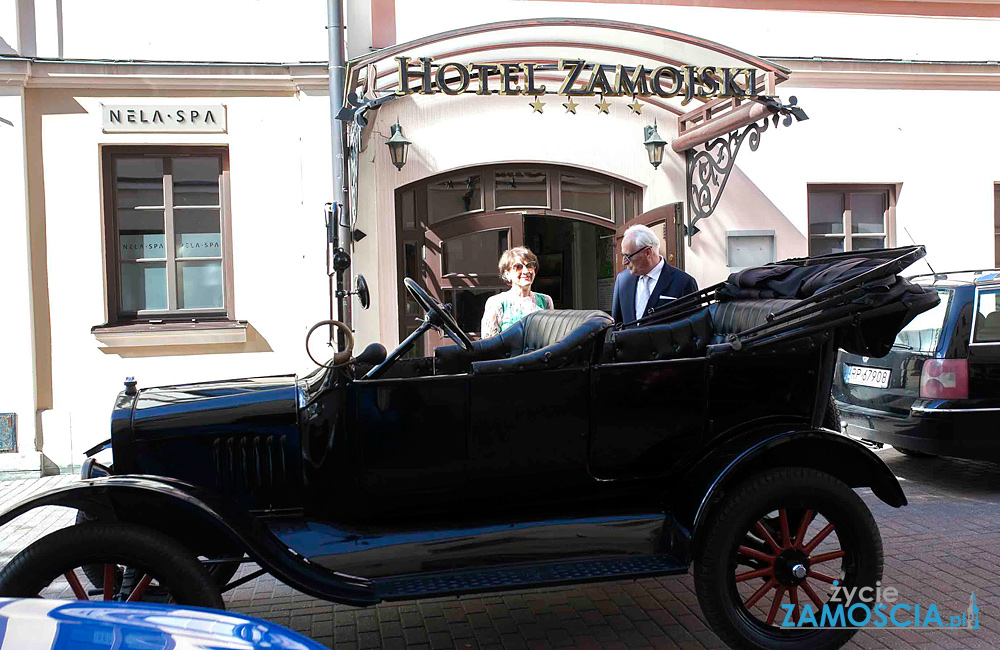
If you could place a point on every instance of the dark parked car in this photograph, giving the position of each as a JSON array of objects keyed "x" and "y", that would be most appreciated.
[
  {"x": 564, "y": 450},
  {"x": 937, "y": 392}
]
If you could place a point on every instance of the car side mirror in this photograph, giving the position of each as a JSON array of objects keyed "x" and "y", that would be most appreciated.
[{"x": 364, "y": 296}]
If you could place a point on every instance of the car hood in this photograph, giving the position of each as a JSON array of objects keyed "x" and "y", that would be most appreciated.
[{"x": 79, "y": 625}]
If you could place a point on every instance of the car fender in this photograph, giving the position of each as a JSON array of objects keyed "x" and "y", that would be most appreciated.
[
  {"x": 727, "y": 464},
  {"x": 190, "y": 514}
]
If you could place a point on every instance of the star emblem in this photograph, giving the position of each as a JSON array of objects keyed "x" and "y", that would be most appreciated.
[
  {"x": 635, "y": 106},
  {"x": 604, "y": 106},
  {"x": 537, "y": 105},
  {"x": 571, "y": 106}
]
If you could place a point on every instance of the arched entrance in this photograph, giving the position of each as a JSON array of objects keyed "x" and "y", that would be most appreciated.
[{"x": 454, "y": 226}]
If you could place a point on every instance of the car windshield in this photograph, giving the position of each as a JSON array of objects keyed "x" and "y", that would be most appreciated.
[{"x": 923, "y": 332}]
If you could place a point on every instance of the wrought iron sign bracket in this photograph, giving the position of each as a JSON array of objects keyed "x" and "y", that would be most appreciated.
[
  {"x": 356, "y": 108},
  {"x": 708, "y": 169}
]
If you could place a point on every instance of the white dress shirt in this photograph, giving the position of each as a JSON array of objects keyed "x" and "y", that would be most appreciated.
[{"x": 645, "y": 288}]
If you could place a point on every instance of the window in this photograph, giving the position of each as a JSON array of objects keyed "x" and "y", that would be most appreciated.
[
  {"x": 923, "y": 332},
  {"x": 454, "y": 196},
  {"x": 167, "y": 228},
  {"x": 987, "y": 325},
  {"x": 587, "y": 194},
  {"x": 519, "y": 188},
  {"x": 850, "y": 218},
  {"x": 996, "y": 224}
]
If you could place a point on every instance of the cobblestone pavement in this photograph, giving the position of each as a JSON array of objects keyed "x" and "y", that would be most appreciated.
[{"x": 938, "y": 549}]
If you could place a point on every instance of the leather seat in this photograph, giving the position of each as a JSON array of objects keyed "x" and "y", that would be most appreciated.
[
  {"x": 541, "y": 340},
  {"x": 680, "y": 338},
  {"x": 689, "y": 336}
]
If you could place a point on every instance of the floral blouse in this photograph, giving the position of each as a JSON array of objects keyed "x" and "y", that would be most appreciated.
[{"x": 505, "y": 309}]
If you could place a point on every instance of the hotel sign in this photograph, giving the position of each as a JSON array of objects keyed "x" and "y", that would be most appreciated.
[
  {"x": 579, "y": 79},
  {"x": 164, "y": 118}
]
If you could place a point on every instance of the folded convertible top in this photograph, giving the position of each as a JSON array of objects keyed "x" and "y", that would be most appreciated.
[{"x": 860, "y": 296}]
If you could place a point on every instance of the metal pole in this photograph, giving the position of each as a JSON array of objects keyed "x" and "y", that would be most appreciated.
[{"x": 338, "y": 49}]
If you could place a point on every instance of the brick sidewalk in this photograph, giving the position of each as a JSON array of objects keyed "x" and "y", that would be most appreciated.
[{"x": 938, "y": 549}]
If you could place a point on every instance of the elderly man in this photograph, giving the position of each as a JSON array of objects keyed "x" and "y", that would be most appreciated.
[{"x": 648, "y": 281}]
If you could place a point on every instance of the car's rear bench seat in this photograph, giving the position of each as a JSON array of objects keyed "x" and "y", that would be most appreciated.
[
  {"x": 541, "y": 340},
  {"x": 689, "y": 336}
]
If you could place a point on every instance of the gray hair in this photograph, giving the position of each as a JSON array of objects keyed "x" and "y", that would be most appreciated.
[{"x": 643, "y": 236}]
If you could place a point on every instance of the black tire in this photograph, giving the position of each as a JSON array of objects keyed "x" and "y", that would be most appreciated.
[
  {"x": 143, "y": 550},
  {"x": 94, "y": 572},
  {"x": 792, "y": 493},
  {"x": 221, "y": 573},
  {"x": 913, "y": 453},
  {"x": 831, "y": 418}
]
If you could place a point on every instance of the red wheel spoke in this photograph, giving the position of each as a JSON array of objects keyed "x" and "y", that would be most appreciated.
[
  {"x": 793, "y": 595},
  {"x": 766, "y": 536},
  {"x": 800, "y": 534},
  {"x": 826, "y": 557},
  {"x": 821, "y": 576},
  {"x": 820, "y": 536},
  {"x": 785, "y": 537},
  {"x": 766, "y": 572},
  {"x": 140, "y": 588},
  {"x": 775, "y": 605},
  {"x": 109, "y": 581},
  {"x": 757, "y": 595},
  {"x": 755, "y": 554},
  {"x": 74, "y": 583},
  {"x": 813, "y": 596}
]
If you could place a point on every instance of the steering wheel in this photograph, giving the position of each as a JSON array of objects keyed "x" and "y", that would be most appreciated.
[{"x": 438, "y": 315}]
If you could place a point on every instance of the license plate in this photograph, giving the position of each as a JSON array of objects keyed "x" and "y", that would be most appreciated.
[{"x": 864, "y": 376}]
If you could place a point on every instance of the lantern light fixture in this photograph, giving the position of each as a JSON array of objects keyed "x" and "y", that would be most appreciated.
[
  {"x": 654, "y": 145},
  {"x": 398, "y": 145}
]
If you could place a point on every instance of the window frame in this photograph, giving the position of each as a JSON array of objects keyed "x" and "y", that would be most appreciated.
[
  {"x": 846, "y": 189},
  {"x": 112, "y": 260}
]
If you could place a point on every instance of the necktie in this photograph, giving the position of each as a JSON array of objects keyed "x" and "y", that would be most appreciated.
[{"x": 642, "y": 296}]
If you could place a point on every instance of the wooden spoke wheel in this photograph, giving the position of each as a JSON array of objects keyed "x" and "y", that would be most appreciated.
[
  {"x": 782, "y": 538},
  {"x": 134, "y": 564}
]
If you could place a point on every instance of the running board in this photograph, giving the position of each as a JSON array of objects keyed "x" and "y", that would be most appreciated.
[{"x": 531, "y": 575}]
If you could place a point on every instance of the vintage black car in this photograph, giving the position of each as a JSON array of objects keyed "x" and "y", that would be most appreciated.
[
  {"x": 564, "y": 450},
  {"x": 937, "y": 391}
]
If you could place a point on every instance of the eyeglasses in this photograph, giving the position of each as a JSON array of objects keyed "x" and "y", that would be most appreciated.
[
  {"x": 627, "y": 258},
  {"x": 520, "y": 267}
]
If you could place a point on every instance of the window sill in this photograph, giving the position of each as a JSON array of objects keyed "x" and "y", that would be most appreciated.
[{"x": 147, "y": 335}]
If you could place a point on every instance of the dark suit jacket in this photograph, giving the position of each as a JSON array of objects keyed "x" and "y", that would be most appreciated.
[{"x": 673, "y": 283}]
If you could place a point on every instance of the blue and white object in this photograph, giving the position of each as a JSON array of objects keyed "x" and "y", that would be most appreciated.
[{"x": 37, "y": 624}]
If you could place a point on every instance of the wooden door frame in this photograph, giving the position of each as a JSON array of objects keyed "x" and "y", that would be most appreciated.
[{"x": 672, "y": 216}]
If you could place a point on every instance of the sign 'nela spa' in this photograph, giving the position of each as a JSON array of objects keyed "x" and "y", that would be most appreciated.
[{"x": 580, "y": 79}]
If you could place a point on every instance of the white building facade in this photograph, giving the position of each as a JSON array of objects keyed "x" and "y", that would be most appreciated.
[{"x": 164, "y": 173}]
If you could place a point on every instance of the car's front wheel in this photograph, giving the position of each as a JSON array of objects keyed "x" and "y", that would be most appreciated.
[
  {"x": 162, "y": 569},
  {"x": 780, "y": 538}
]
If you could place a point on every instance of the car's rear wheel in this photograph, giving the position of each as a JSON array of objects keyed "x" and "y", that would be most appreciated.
[
  {"x": 783, "y": 537},
  {"x": 146, "y": 565}
]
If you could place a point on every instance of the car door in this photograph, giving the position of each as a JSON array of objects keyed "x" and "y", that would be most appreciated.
[
  {"x": 528, "y": 435},
  {"x": 412, "y": 439},
  {"x": 646, "y": 416}
]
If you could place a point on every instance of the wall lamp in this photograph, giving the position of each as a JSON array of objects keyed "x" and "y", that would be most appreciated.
[
  {"x": 654, "y": 145},
  {"x": 399, "y": 146}
]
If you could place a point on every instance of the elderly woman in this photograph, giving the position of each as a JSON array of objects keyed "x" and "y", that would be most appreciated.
[{"x": 517, "y": 268}]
